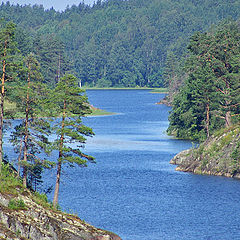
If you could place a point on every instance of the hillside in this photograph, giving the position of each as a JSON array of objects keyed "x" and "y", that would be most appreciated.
[
  {"x": 115, "y": 43},
  {"x": 29, "y": 215},
  {"x": 219, "y": 155}
]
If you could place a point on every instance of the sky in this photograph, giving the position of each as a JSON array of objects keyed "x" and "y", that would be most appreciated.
[{"x": 59, "y": 5}]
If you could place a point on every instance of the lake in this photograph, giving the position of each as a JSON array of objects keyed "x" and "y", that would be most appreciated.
[{"x": 133, "y": 190}]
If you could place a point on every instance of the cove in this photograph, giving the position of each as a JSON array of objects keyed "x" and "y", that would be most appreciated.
[{"x": 133, "y": 190}]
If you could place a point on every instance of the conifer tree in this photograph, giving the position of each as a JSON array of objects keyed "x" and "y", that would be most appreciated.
[
  {"x": 71, "y": 105},
  {"x": 224, "y": 56},
  {"x": 212, "y": 89},
  {"x": 7, "y": 51},
  {"x": 31, "y": 134}
]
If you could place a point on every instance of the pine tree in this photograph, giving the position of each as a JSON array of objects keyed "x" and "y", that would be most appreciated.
[
  {"x": 54, "y": 62},
  {"x": 224, "y": 56},
  {"x": 212, "y": 89},
  {"x": 7, "y": 51},
  {"x": 71, "y": 105},
  {"x": 31, "y": 134}
]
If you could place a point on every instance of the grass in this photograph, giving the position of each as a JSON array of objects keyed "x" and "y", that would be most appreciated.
[
  {"x": 118, "y": 88},
  {"x": 9, "y": 105},
  {"x": 153, "y": 90},
  {"x": 159, "y": 90},
  {"x": 9, "y": 182},
  {"x": 17, "y": 204},
  {"x": 42, "y": 200},
  {"x": 99, "y": 112},
  {"x": 12, "y": 110}
]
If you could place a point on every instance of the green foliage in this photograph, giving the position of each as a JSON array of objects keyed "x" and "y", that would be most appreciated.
[
  {"x": 70, "y": 103},
  {"x": 17, "y": 204},
  {"x": 68, "y": 100},
  {"x": 115, "y": 43},
  {"x": 41, "y": 199},
  {"x": 9, "y": 183},
  {"x": 211, "y": 92},
  {"x": 30, "y": 136},
  {"x": 236, "y": 154}
]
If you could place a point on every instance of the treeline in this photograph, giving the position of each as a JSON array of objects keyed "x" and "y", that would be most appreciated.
[
  {"x": 115, "y": 42},
  {"x": 44, "y": 111},
  {"x": 210, "y": 96}
]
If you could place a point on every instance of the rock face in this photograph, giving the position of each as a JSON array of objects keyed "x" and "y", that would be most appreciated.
[
  {"x": 219, "y": 155},
  {"x": 36, "y": 222}
]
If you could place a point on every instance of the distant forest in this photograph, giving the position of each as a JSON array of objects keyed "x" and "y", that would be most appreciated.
[{"x": 115, "y": 43}]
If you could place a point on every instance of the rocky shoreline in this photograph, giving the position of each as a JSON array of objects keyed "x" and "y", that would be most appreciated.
[
  {"x": 36, "y": 222},
  {"x": 219, "y": 155}
]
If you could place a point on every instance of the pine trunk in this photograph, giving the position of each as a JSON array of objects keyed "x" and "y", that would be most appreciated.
[
  {"x": 19, "y": 158},
  {"x": 1, "y": 131},
  {"x": 56, "y": 192},
  {"x": 228, "y": 103},
  {"x": 207, "y": 119},
  {"x": 59, "y": 166},
  {"x": 228, "y": 120},
  {"x": 2, "y": 103},
  {"x": 25, "y": 153}
]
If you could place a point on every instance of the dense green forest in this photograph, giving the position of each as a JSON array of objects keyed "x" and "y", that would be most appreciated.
[
  {"x": 210, "y": 96},
  {"x": 115, "y": 43}
]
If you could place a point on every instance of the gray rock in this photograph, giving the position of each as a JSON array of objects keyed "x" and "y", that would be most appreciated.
[{"x": 37, "y": 222}]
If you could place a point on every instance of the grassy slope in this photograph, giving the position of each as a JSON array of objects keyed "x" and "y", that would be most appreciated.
[{"x": 219, "y": 155}]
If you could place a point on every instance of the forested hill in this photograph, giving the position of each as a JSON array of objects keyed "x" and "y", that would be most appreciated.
[{"x": 115, "y": 42}]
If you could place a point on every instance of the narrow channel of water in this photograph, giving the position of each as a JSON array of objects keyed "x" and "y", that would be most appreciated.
[{"x": 133, "y": 190}]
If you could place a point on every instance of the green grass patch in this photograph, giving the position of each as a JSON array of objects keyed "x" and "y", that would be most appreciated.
[
  {"x": 100, "y": 112},
  {"x": 11, "y": 111},
  {"x": 153, "y": 90},
  {"x": 42, "y": 200},
  {"x": 9, "y": 105},
  {"x": 9, "y": 182},
  {"x": 159, "y": 90},
  {"x": 118, "y": 88},
  {"x": 17, "y": 204}
]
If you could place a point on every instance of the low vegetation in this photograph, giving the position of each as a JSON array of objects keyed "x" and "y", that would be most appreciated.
[
  {"x": 219, "y": 155},
  {"x": 16, "y": 204},
  {"x": 9, "y": 182}
]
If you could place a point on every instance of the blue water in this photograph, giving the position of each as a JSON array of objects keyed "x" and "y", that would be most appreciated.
[{"x": 133, "y": 190}]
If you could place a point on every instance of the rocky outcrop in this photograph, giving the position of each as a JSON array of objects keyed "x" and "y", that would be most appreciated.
[
  {"x": 36, "y": 222},
  {"x": 219, "y": 155}
]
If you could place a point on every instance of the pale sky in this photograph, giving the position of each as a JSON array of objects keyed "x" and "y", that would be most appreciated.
[{"x": 59, "y": 5}]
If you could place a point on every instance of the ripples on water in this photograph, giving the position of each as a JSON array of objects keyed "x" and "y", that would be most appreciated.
[{"x": 133, "y": 190}]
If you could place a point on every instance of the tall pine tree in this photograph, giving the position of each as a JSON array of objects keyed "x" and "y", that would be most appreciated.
[
  {"x": 31, "y": 134},
  {"x": 7, "y": 51},
  {"x": 71, "y": 105}
]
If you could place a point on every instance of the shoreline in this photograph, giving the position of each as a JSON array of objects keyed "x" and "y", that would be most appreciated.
[{"x": 217, "y": 156}]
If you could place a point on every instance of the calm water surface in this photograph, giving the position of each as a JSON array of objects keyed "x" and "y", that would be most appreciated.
[{"x": 133, "y": 190}]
